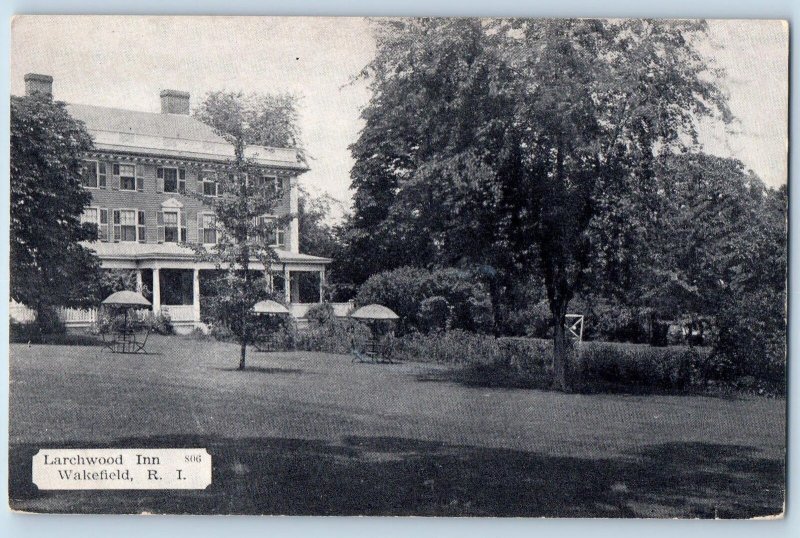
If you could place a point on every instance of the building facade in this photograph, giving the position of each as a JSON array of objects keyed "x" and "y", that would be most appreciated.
[{"x": 152, "y": 180}]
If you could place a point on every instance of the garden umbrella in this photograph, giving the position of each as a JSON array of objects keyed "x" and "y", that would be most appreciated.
[
  {"x": 126, "y": 299},
  {"x": 269, "y": 307},
  {"x": 374, "y": 312}
]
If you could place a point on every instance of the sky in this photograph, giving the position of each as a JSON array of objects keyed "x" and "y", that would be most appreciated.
[{"x": 126, "y": 61}]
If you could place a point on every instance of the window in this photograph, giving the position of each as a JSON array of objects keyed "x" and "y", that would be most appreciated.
[
  {"x": 208, "y": 228},
  {"x": 271, "y": 182},
  {"x": 89, "y": 174},
  {"x": 171, "y": 227},
  {"x": 91, "y": 215},
  {"x": 208, "y": 183},
  {"x": 171, "y": 179},
  {"x": 127, "y": 224},
  {"x": 279, "y": 239},
  {"x": 127, "y": 176},
  {"x": 275, "y": 234},
  {"x": 101, "y": 175},
  {"x": 170, "y": 176}
]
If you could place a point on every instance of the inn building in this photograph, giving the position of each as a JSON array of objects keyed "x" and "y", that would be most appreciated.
[{"x": 152, "y": 180}]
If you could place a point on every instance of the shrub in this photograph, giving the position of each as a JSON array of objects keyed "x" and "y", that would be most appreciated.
[
  {"x": 434, "y": 313},
  {"x": 534, "y": 320},
  {"x": 640, "y": 366},
  {"x": 321, "y": 313},
  {"x": 28, "y": 331},
  {"x": 339, "y": 336},
  {"x": 404, "y": 290},
  {"x": 158, "y": 323}
]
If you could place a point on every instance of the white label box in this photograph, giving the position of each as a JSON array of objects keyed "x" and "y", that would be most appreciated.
[{"x": 122, "y": 468}]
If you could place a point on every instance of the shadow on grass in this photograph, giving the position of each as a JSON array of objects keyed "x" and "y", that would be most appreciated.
[
  {"x": 262, "y": 370},
  {"x": 503, "y": 377},
  {"x": 67, "y": 339},
  {"x": 402, "y": 476}
]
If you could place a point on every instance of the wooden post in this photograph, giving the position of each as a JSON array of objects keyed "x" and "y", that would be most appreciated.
[
  {"x": 156, "y": 291},
  {"x": 322, "y": 285},
  {"x": 287, "y": 290},
  {"x": 196, "y": 296}
]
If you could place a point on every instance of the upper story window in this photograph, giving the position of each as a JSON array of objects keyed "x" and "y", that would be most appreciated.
[
  {"x": 93, "y": 175},
  {"x": 271, "y": 182},
  {"x": 91, "y": 215},
  {"x": 207, "y": 228},
  {"x": 129, "y": 225},
  {"x": 172, "y": 230},
  {"x": 89, "y": 175},
  {"x": 127, "y": 176},
  {"x": 171, "y": 179},
  {"x": 276, "y": 236},
  {"x": 207, "y": 185}
]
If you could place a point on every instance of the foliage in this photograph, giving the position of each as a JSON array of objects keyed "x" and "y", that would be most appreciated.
[
  {"x": 404, "y": 290},
  {"x": 49, "y": 266},
  {"x": 434, "y": 314},
  {"x": 339, "y": 336},
  {"x": 528, "y": 145},
  {"x": 242, "y": 233},
  {"x": 113, "y": 280},
  {"x": 321, "y": 313},
  {"x": 115, "y": 320}
]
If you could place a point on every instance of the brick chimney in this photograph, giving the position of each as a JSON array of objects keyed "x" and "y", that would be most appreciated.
[
  {"x": 42, "y": 84},
  {"x": 174, "y": 102}
]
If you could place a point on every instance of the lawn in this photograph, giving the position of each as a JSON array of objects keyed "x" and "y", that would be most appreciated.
[{"x": 312, "y": 433}]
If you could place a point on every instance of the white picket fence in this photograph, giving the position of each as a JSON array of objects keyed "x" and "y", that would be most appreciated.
[{"x": 72, "y": 317}]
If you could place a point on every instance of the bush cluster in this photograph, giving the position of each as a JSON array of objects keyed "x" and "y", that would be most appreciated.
[
  {"x": 431, "y": 300},
  {"x": 109, "y": 321}
]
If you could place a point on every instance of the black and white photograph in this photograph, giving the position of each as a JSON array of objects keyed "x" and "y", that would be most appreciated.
[{"x": 398, "y": 266}]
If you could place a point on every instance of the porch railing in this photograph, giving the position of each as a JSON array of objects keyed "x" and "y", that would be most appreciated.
[{"x": 178, "y": 313}]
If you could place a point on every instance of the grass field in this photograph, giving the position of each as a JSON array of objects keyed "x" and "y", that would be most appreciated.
[{"x": 311, "y": 433}]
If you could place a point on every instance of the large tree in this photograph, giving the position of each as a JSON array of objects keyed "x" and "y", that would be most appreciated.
[
  {"x": 242, "y": 232},
  {"x": 528, "y": 145},
  {"x": 49, "y": 266}
]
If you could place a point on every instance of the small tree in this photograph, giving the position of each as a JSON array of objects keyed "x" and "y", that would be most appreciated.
[
  {"x": 49, "y": 266},
  {"x": 242, "y": 231}
]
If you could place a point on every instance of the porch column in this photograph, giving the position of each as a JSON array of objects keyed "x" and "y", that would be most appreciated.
[
  {"x": 287, "y": 289},
  {"x": 322, "y": 285},
  {"x": 295, "y": 289},
  {"x": 156, "y": 291},
  {"x": 196, "y": 295},
  {"x": 139, "y": 281},
  {"x": 268, "y": 278}
]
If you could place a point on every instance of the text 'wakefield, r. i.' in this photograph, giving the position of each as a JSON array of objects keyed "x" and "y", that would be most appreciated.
[{"x": 127, "y": 468}]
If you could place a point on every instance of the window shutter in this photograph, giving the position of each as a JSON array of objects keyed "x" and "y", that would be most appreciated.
[
  {"x": 115, "y": 177},
  {"x": 101, "y": 177},
  {"x": 159, "y": 179},
  {"x": 183, "y": 238},
  {"x": 182, "y": 180},
  {"x": 103, "y": 228},
  {"x": 117, "y": 226},
  {"x": 141, "y": 227},
  {"x": 200, "y": 231},
  {"x": 160, "y": 225},
  {"x": 200, "y": 177},
  {"x": 220, "y": 187},
  {"x": 139, "y": 178}
]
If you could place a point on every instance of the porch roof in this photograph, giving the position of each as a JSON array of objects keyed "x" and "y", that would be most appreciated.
[{"x": 173, "y": 251}]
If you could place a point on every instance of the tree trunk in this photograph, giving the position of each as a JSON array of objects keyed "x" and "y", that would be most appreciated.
[
  {"x": 559, "y": 348},
  {"x": 242, "y": 355}
]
